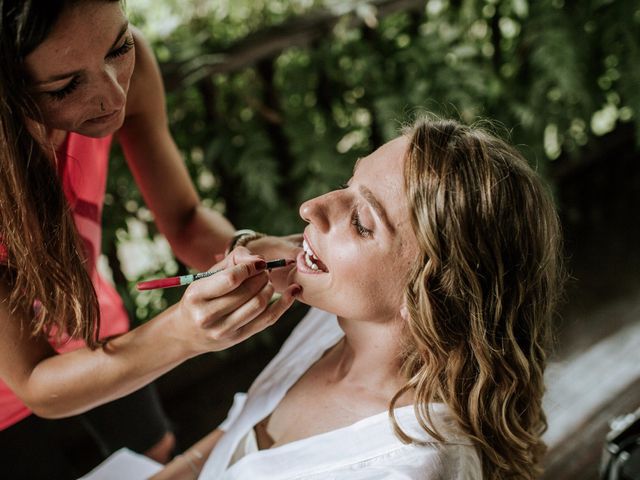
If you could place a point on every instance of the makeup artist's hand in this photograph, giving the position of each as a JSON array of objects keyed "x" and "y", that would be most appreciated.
[
  {"x": 226, "y": 308},
  {"x": 271, "y": 248}
]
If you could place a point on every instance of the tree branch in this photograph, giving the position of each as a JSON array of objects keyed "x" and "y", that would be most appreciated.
[{"x": 268, "y": 43}]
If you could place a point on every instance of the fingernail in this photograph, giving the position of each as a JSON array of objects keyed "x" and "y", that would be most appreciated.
[
  {"x": 297, "y": 290},
  {"x": 260, "y": 265}
]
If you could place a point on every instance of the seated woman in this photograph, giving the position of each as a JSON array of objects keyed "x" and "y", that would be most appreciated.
[{"x": 434, "y": 272}]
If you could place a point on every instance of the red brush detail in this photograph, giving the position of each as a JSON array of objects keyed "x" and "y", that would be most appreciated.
[
  {"x": 187, "y": 279},
  {"x": 159, "y": 283}
]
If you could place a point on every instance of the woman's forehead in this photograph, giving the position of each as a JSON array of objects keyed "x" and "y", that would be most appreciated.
[
  {"x": 85, "y": 31},
  {"x": 391, "y": 153},
  {"x": 382, "y": 174}
]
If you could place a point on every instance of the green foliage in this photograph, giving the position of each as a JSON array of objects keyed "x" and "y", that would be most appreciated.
[{"x": 260, "y": 139}]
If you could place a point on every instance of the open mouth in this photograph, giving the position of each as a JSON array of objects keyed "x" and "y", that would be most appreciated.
[{"x": 311, "y": 259}]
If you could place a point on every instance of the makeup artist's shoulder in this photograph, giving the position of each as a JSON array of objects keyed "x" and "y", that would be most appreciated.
[{"x": 145, "y": 88}]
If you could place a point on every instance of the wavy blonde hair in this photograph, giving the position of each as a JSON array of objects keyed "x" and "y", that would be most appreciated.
[{"x": 480, "y": 300}]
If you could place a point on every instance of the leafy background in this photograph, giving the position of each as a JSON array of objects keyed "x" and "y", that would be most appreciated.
[{"x": 272, "y": 101}]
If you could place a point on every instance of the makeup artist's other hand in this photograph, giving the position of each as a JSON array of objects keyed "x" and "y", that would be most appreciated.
[
  {"x": 271, "y": 248},
  {"x": 226, "y": 308}
]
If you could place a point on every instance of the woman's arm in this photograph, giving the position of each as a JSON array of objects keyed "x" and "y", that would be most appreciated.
[
  {"x": 54, "y": 386},
  {"x": 213, "y": 314},
  {"x": 188, "y": 465},
  {"x": 196, "y": 233}
]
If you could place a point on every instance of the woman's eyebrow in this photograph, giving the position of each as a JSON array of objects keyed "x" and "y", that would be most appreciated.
[{"x": 377, "y": 207}]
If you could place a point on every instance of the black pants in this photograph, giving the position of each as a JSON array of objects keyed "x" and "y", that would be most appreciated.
[{"x": 36, "y": 448}]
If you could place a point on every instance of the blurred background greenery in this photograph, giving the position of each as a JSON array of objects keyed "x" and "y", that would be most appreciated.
[{"x": 272, "y": 101}]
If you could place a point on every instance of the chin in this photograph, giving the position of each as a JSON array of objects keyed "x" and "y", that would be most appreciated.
[
  {"x": 309, "y": 295},
  {"x": 94, "y": 134},
  {"x": 320, "y": 299},
  {"x": 101, "y": 130}
]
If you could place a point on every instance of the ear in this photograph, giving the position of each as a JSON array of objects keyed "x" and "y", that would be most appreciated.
[{"x": 404, "y": 312}]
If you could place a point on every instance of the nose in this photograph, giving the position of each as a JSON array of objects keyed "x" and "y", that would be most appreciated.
[
  {"x": 313, "y": 211},
  {"x": 111, "y": 93},
  {"x": 320, "y": 211}
]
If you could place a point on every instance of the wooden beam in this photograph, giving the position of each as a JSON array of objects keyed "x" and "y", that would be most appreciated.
[{"x": 271, "y": 41}]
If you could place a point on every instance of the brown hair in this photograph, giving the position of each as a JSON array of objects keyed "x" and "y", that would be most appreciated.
[
  {"x": 481, "y": 298},
  {"x": 46, "y": 260}
]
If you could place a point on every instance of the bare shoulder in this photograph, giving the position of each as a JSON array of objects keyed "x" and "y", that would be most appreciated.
[{"x": 146, "y": 91}]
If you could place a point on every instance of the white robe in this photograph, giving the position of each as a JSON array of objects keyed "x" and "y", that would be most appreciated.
[{"x": 367, "y": 449}]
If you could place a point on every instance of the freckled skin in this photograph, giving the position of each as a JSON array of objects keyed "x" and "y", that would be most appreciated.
[{"x": 81, "y": 41}]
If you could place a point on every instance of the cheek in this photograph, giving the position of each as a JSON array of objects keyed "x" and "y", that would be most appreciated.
[
  {"x": 383, "y": 285},
  {"x": 59, "y": 115},
  {"x": 125, "y": 71},
  {"x": 361, "y": 288},
  {"x": 369, "y": 297}
]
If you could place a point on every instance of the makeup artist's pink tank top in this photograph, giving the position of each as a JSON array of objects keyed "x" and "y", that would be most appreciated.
[{"x": 83, "y": 169}]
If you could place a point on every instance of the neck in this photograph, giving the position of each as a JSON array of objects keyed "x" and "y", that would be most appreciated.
[{"x": 364, "y": 345}]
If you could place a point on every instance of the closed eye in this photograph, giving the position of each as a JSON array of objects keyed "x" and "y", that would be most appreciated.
[
  {"x": 69, "y": 88},
  {"x": 361, "y": 229},
  {"x": 124, "y": 49},
  {"x": 355, "y": 218}
]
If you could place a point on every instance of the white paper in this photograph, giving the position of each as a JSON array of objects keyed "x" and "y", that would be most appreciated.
[{"x": 124, "y": 465}]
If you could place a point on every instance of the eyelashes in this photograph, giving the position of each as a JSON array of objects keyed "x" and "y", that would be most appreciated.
[
  {"x": 68, "y": 89},
  {"x": 362, "y": 231},
  {"x": 124, "y": 49}
]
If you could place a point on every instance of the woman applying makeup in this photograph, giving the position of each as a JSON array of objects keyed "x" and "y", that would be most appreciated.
[
  {"x": 435, "y": 273},
  {"x": 74, "y": 76}
]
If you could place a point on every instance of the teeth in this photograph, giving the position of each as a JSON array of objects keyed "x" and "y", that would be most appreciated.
[
  {"x": 310, "y": 263},
  {"x": 309, "y": 256}
]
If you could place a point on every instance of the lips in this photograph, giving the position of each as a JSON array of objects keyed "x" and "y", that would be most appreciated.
[
  {"x": 104, "y": 118},
  {"x": 311, "y": 259}
]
